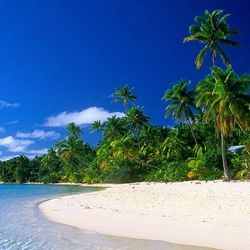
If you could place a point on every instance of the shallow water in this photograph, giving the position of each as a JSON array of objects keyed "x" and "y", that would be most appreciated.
[{"x": 23, "y": 226}]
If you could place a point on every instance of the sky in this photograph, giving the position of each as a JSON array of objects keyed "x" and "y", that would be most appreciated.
[{"x": 62, "y": 60}]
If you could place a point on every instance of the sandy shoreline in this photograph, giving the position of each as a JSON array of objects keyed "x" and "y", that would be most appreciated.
[{"x": 208, "y": 214}]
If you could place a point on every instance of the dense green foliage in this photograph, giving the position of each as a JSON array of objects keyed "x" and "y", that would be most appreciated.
[{"x": 211, "y": 117}]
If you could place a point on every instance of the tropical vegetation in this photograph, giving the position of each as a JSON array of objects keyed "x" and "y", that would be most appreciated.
[{"x": 209, "y": 118}]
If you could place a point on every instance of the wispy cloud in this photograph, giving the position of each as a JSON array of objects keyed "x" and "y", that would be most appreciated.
[
  {"x": 7, "y": 157},
  {"x": 2, "y": 130},
  {"x": 84, "y": 117},
  {"x": 41, "y": 151},
  {"x": 31, "y": 154},
  {"x": 4, "y": 104},
  {"x": 15, "y": 145},
  {"x": 38, "y": 134},
  {"x": 12, "y": 122}
]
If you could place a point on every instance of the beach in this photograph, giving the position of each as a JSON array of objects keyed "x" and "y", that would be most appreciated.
[{"x": 212, "y": 214}]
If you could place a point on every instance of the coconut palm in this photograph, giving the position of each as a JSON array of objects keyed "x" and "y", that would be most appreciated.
[
  {"x": 50, "y": 167},
  {"x": 114, "y": 127},
  {"x": 125, "y": 148},
  {"x": 213, "y": 31},
  {"x": 136, "y": 116},
  {"x": 71, "y": 152},
  {"x": 225, "y": 100},
  {"x": 182, "y": 102},
  {"x": 97, "y": 126},
  {"x": 136, "y": 119},
  {"x": 73, "y": 130},
  {"x": 125, "y": 95},
  {"x": 174, "y": 145},
  {"x": 152, "y": 138}
]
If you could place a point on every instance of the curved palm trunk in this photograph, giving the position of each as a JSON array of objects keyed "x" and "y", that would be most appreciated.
[
  {"x": 213, "y": 60},
  {"x": 192, "y": 132},
  {"x": 214, "y": 57},
  {"x": 224, "y": 160},
  {"x": 133, "y": 130}
]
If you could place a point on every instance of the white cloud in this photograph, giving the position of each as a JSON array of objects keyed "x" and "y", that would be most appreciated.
[
  {"x": 7, "y": 157},
  {"x": 15, "y": 145},
  {"x": 4, "y": 104},
  {"x": 37, "y": 151},
  {"x": 84, "y": 117},
  {"x": 31, "y": 154},
  {"x": 38, "y": 134}
]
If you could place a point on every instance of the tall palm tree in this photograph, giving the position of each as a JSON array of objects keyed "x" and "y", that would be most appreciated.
[
  {"x": 114, "y": 127},
  {"x": 182, "y": 102},
  {"x": 73, "y": 130},
  {"x": 97, "y": 126},
  {"x": 50, "y": 166},
  {"x": 224, "y": 97},
  {"x": 136, "y": 119},
  {"x": 136, "y": 116},
  {"x": 124, "y": 94},
  {"x": 213, "y": 31},
  {"x": 71, "y": 152}
]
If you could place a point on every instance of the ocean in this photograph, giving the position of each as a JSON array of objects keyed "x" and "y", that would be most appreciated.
[{"x": 23, "y": 226}]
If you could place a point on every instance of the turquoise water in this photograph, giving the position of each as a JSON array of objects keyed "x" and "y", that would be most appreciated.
[{"x": 23, "y": 226}]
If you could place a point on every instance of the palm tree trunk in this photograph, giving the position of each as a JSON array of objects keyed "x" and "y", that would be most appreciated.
[
  {"x": 224, "y": 161},
  {"x": 133, "y": 130},
  {"x": 137, "y": 137},
  {"x": 190, "y": 125},
  {"x": 213, "y": 57}
]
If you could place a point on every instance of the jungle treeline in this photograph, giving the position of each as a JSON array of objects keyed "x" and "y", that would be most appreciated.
[{"x": 210, "y": 117}]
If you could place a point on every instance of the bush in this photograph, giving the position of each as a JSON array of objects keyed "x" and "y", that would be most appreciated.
[
  {"x": 92, "y": 175},
  {"x": 205, "y": 166},
  {"x": 173, "y": 171}
]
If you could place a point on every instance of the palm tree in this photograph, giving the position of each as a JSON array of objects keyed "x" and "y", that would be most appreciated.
[
  {"x": 182, "y": 103},
  {"x": 212, "y": 31},
  {"x": 125, "y": 95},
  {"x": 136, "y": 119},
  {"x": 174, "y": 145},
  {"x": 73, "y": 130},
  {"x": 152, "y": 138},
  {"x": 97, "y": 126},
  {"x": 71, "y": 152},
  {"x": 225, "y": 100},
  {"x": 125, "y": 148},
  {"x": 114, "y": 127},
  {"x": 50, "y": 166}
]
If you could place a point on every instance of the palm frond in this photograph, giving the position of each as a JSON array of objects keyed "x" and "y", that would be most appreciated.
[
  {"x": 228, "y": 42},
  {"x": 189, "y": 38},
  {"x": 199, "y": 59},
  {"x": 223, "y": 56}
]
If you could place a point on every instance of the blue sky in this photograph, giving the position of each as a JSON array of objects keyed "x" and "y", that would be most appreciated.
[{"x": 61, "y": 61}]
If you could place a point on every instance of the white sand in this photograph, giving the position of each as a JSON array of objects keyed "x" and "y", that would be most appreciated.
[{"x": 204, "y": 214}]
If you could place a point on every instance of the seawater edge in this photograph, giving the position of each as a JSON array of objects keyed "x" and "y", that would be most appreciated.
[{"x": 106, "y": 218}]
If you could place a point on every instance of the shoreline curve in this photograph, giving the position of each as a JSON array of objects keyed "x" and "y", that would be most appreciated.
[{"x": 212, "y": 214}]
